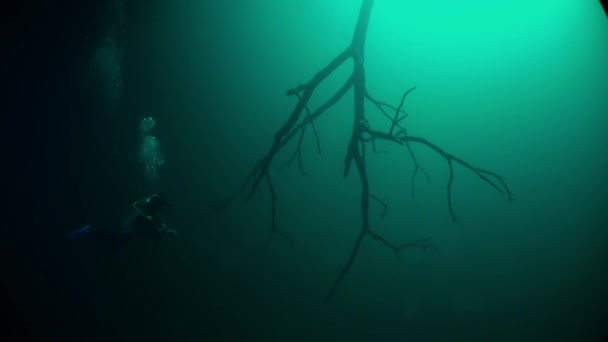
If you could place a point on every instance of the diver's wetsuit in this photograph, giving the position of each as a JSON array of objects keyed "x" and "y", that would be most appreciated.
[{"x": 147, "y": 217}]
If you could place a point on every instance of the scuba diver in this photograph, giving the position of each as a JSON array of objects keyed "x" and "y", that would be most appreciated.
[{"x": 146, "y": 219}]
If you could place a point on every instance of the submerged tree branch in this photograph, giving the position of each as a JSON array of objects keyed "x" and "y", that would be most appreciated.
[{"x": 361, "y": 134}]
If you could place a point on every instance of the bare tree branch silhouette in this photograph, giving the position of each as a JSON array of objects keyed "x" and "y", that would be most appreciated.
[{"x": 362, "y": 135}]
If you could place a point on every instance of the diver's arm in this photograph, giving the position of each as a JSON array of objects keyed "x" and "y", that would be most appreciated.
[{"x": 137, "y": 207}]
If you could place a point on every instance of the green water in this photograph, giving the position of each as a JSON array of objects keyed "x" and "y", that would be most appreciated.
[{"x": 514, "y": 87}]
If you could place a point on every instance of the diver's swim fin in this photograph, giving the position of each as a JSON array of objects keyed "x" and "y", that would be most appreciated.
[{"x": 80, "y": 233}]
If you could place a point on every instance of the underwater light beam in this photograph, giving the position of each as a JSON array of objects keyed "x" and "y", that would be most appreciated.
[{"x": 362, "y": 134}]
